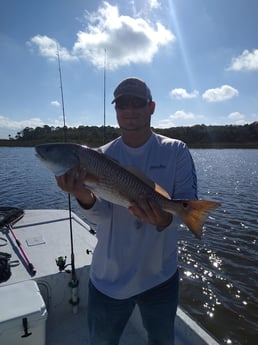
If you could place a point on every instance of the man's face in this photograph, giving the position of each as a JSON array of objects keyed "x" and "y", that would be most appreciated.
[{"x": 133, "y": 113}]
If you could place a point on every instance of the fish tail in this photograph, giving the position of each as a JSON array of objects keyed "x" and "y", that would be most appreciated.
[{"x": 194, "y": 214}]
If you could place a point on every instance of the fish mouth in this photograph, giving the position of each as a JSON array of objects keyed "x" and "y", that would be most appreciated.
[
  {"x": 39, "y": 153},
  {"x": 39, "y": 156},
  {"x": 57, "y": 158}
]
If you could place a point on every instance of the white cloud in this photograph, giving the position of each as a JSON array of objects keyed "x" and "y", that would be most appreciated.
[
  {"x": 154, "y": 4},
  {"x": 237, "y": 118},
  {"x": 47, "y": 47},
  {"x": 5, "y": 122},
  {"x": 166, "y": 123},
  {"x": 9, "y": 126},
  {"x": 55, "y": 104},
  {"x": 220, "y": 94},
  {"x": 144, "y": 8},
  {"x": 183, "y": 94},
  {"x": 180, "y": 117},
  {"x": 246, "y": 61},
  {"x": 125, "y": 39}
]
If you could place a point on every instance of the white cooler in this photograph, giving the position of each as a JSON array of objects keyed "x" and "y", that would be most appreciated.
[{"x": 23, "y": 314}]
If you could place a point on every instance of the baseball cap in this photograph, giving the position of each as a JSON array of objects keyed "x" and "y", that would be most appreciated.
[{"x": 132, "y": 87}]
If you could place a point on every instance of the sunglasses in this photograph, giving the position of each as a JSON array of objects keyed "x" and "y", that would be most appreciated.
[{"x": 127, "y": 102}]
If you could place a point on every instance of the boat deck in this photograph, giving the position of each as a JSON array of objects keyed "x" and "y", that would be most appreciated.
[{"x": 45, "y": 236}]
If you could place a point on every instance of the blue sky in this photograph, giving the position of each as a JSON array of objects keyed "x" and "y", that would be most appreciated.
[{"x": 199, "y": 57}]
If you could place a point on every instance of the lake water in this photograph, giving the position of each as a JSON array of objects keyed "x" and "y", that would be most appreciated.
[{"x": 219, "y": 274}]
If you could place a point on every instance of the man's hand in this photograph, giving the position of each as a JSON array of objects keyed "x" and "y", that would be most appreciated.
[
  {"x": 149, "y": 210},
  {"x": 73, "y": 182}
]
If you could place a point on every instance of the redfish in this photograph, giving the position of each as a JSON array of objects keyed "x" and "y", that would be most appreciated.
[{"x": 121, "y": 185}]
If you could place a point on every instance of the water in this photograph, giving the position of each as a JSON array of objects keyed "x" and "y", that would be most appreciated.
[{"x": 219, "y": 274}]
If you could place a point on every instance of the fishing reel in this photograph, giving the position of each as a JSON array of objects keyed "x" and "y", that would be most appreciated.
[{"x": 61, "y": 263}]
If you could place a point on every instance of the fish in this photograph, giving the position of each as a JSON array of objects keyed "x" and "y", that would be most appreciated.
[{"x": 120, "y": 185}]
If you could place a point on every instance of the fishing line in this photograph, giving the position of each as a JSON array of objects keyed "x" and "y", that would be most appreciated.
[
  {"x": 74, "y": 282},
  {"x": 65, "y": 139},
  {"x": 104, "y": 97}
]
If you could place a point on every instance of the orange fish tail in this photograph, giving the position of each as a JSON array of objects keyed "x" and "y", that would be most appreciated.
[{"x": 194, "y": 214}]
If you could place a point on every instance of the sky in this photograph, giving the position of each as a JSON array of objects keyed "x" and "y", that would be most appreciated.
[{"x": 199, "y": 58}]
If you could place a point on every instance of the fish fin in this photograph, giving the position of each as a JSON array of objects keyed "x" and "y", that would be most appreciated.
[
  {"x": 162, "y": 191},
  {"x": 194, "y": 214},
  {"x": 92, "y": 179},
  {"x": 109, "y": 157},
  {"x": 148, "y": 181}
]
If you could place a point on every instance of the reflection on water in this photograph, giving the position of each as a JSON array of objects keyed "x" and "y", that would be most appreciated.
[{"x": 219, "y": 274}]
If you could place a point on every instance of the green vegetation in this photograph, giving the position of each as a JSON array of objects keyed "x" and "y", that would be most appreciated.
[{"x": 199, "y": 136}]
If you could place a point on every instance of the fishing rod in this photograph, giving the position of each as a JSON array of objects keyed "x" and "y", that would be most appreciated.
[
  {"x": 74, "y": 281},
  {"x": 11, "y": 215},
  {"x": 104, "y": 96},
  {"x": 29, "y": 263}
]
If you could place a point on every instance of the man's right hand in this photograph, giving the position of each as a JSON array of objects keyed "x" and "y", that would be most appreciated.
[{"x": 73, "y": 182}]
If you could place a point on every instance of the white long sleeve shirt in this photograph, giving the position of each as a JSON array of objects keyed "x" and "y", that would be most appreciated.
[{"x": 131, "y": 256}]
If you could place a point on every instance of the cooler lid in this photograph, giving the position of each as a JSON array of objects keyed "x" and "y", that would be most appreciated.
[{"x": 20, "y": 300}]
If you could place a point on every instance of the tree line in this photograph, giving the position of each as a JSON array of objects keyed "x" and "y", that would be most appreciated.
[{"x": 195, "y": 136}]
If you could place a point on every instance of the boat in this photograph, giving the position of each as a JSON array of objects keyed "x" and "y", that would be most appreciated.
[{"x": 43, "y": 303}]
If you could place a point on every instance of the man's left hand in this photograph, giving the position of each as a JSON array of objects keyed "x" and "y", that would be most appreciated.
[{"x": 149, "y": 210}]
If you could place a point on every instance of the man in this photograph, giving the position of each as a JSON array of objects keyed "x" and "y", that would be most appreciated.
[{"x": 135, "y": 260}]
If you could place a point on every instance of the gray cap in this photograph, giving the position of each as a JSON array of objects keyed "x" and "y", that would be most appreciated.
[{"x": 132, "y": 87}]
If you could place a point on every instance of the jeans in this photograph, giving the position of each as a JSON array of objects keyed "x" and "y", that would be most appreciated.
[{"x": 108, "y": 316}]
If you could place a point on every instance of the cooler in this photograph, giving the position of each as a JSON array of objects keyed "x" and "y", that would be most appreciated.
[{"x": 23, "y": 314}]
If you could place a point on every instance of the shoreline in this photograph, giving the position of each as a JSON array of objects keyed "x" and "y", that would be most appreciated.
[{"x": 211, "y": 145}]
